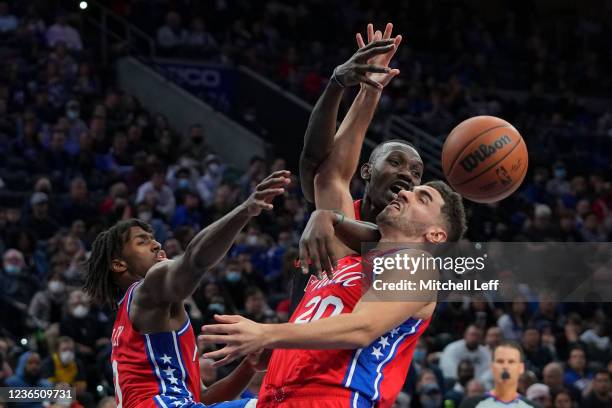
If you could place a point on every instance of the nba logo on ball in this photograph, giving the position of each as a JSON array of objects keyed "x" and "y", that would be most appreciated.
[{"x": 484, "y": 159}]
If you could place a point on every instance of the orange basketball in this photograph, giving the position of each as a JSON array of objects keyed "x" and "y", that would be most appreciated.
[{"x": 484, "y": 159}]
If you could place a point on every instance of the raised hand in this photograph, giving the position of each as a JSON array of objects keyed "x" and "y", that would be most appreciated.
[
  {"x": 354, "y": 71},
  {"x": 272, "y": 186},
  {"x": 380, "y": 59}
]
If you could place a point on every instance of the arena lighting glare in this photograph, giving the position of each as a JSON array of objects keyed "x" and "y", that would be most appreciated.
[
  {"x": 24, "y": 341},
  {"x": 83, "y": 5},
  {"x": 99, "y": 388}
]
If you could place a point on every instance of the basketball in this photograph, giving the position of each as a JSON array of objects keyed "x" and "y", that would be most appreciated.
[{"x": 484, "y": 159}]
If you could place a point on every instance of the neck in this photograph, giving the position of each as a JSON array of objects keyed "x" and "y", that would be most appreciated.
[
  {"x": 368, "y": 211},
  {"x": 505, "y": 392}
]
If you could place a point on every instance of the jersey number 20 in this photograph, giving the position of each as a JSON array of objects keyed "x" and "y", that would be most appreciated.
[{"x": 320, "y": 306}]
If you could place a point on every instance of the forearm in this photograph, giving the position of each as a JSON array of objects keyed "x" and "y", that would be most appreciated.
[
  {"x": 319, "y": 137},
  {"x": 354, "y": 233},
  {"x": 349, "y": 138},
  {"x": 231, "y": 386},
  {"x": 346, "y": 331},
  {"x": 211, "y": 244}
]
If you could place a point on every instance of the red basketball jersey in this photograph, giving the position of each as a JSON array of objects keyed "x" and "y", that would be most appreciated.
[
  {"x": 366, "y": 377},
  {"x": 156, "y": 369}
]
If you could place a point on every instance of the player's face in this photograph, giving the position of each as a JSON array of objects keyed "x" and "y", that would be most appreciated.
[
  {"x": 396, "y": 167},
  {"x": 142, "y": 251},
  {"x": 507, "y": 359},
  {"x": 415, "y": 213}
]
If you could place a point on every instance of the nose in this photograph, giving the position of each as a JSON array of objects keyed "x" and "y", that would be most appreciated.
[{"x": 405, "y": 195}]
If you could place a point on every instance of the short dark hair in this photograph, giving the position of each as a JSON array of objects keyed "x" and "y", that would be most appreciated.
[
  {"x": 453, "y": 211},
  {"x": 377, "y": 150},
  {"x": 510, "y": 344},
  {"x": 602, "y": 371},
  {"x": 108, "y": 245}
]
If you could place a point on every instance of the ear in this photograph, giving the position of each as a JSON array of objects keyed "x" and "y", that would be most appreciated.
[
  {"x": 366, "y": 171},
  {"x": 521, "y": 368},
  {"x": 436, "y": 235},
  {"x": 118, "y": 266}
]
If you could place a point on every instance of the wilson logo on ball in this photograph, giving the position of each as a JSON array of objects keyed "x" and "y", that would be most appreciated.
[{"x": 472, "y": 160}]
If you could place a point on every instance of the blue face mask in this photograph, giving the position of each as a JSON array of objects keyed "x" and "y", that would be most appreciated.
[
  {"x": 12, "y": 269},
  {"x": 233, "y": 276},
  {"x": 560, "y": 173},
  {"x": 183, "y": 183},
  {"x": 419, "y": 355},
  {"x": 217, "y": 308}
]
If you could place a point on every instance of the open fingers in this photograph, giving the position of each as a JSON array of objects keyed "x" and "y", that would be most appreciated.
[
  {"x": 360, "y": 43},
  {"x": 370, "y": 31},
  {"x": 388, "y": 31},
  {"x": 273, "y": 182}
]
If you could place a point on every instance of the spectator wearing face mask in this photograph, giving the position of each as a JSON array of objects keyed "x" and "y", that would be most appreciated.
[
  {"x": 210, "y": 180},
  {"x": 83, "y": 326},
  {"x": 195, "y": 146},
  {"x": 16, "y": 288},
  {"x": 428, "y": 391},
  {"x": 62, "y": 366},
  {"x": 28, "y": 374},
  {"x": 47, "y": 304}
]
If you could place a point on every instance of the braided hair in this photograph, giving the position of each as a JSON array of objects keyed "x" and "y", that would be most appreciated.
[{"x": 108, "y": 245}]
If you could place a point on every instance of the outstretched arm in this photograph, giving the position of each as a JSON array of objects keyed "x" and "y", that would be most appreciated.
[
  {"x": 360, "y": 68},
  {"x": 334, "y": 174},
  {"x": 375, "y": 314},
  {"x": 173, "y": 281}
]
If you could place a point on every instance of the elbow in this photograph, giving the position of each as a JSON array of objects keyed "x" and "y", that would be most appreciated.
[{"x": 363, "y": 337}]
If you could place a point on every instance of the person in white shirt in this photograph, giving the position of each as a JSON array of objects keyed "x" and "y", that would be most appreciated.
[
  {"x": 61, "y": 31},
  {"x": 164, "y": 196},
  {"x": 171, "y": 36},
  {"x": 468, "y": 348}
]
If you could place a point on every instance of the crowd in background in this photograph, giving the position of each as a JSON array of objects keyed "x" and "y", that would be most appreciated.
[{"x": 78, "y": 154}]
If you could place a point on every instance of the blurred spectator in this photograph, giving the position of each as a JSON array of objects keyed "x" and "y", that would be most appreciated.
[
  {"x": 199, "y": 42},
  {"x": 468, "y": 348},
  {"x": 61, "y": 31},
  {"x": 62, "y": 366},
  {"x": 17, "y": 285},
  {"x": 577, "y": 373},
  {"x": 255, "y": 307},
  {"x": 159, "y": 192},
  {"x": 428, "y": 390},
  {"x": 552, "y": 376},
  {"x": 188, "y": 212},
  {"x": 79, "y": 205},
  {"x": 8, "y": 22},
  {"x": 474, "y": 388},
  {"x": 39, "y": 220},
  {"x": 515, "y": 320},
  {"x": 47, "y": 304},
  {"x": 563, "y": 399},
  {"x": 171, "y": 36},
  {"x": 493, "y": 338},
  {"x": 600, "y": 396},
  {"x": 5, "y": 369},
  {"x": 28, "y": 374},
  {"x": 536, "y": 356},
  {"x": 465, "y": 373},
  {"x": 83, "y": 326},
  {"x": 539, "y": 393}
]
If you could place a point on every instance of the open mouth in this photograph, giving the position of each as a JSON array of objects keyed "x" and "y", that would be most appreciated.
[
  {"x": 395, "y": 204},
  {"x": 400, "y": 185}
]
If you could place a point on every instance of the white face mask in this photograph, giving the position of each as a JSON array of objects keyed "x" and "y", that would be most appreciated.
[
  {"x": 56, "y": 287},
  {"x": 80, "y": 311},
  {"x": 66, "y": 357}
]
